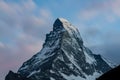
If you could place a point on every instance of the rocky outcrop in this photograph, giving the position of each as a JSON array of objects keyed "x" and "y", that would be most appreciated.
[{"x": 14, "y": 76}]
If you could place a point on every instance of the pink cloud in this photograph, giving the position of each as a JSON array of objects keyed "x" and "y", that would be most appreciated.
[
  {"x": 24, "y": 30},
  {"x": 108, "y": 8},
  {"x": 12, "y": 58},
  {"x": 2, "y": 45},
  {"x": 115, "y": 7}
]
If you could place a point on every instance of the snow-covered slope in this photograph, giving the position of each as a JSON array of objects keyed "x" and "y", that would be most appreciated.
[{"x": 64, "y": 57}]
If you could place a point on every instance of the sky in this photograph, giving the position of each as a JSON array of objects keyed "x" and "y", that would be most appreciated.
[{"x": 24, "y": 24}]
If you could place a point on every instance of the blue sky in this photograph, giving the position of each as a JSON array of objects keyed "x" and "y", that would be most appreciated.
[{"x": 24, "y": 24}]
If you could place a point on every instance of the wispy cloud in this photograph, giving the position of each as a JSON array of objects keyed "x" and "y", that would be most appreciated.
[
  {"x": 109, "y": 9},
  {"x": 23, "y": 25}
]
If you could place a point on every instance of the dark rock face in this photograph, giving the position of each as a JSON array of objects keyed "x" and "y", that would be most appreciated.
[
  {"x": 14, "y": 76},
  {"x": 64, "y": 57},
  {"x": 113, "y": 74}
]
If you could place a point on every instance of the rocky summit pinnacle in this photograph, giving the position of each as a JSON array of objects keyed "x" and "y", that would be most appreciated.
[
  {"x": 63, "y": 57},
  {"x": 61, "y": 23}
]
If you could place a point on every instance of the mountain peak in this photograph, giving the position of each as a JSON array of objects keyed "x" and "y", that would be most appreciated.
[
  {"x": 61, "y": 23},
  {"x": 63, "y": 57}
]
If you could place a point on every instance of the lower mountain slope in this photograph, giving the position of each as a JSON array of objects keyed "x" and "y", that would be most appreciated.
[{"x": 113, "y": 74}]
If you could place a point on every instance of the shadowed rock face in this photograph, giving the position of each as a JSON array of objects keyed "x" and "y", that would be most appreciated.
[
  {"x": 64, "y": 57},
  {"x": 14, "y": 76},
  {"x": 113, "y": 74}
]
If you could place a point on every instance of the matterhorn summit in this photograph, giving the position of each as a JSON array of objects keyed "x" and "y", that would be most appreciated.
[{"x": 63, "y": 57}]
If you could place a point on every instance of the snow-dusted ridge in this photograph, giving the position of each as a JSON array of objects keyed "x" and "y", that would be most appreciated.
[
  {"x": 63, "y": 20},
  {"x": 113, "y": 65}
]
